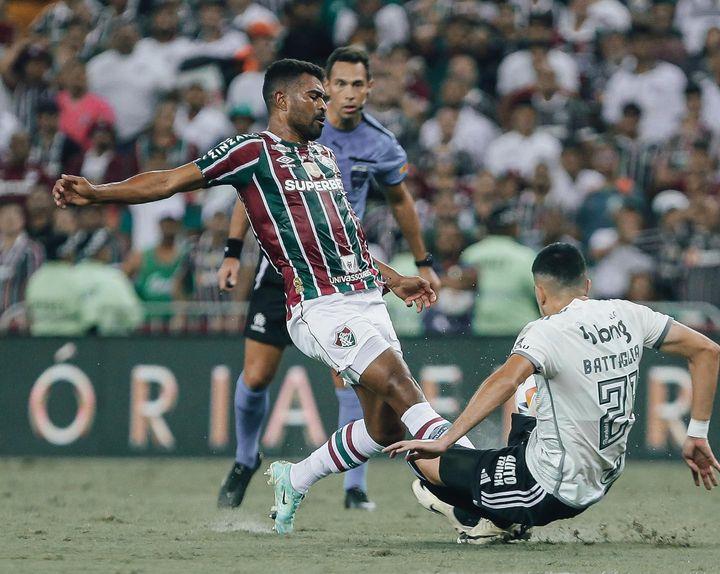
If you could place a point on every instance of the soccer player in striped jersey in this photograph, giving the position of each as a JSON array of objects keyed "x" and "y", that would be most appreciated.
[
  {"x": 298, "y": 209},
  {"x": 583, "y": 357},
  {"x": 364, "y": 150}
]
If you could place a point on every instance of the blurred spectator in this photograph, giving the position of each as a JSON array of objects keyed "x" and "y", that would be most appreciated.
[
  {"x": 19, "y": 256},
  {"x": 197, "y": 122},
  {"x": 518, "y": 71},
  {"x": 532, "y": 204},
  {"x": 572, "y": 181},
  {"x": 92, "y": 239},
  {"x": 80, "y": 109},
  {"x": 54, "y": 20},
  {"x": 461, "y": 128},
  {"x": 246, "y": 88},
  {"x": 40, "y": 227},
  {"x": 112, "y": 14},
  {"x": 670, "y": 208},
  {"x": 505, "y": 292},
  {"x": 657, "y": 87},
  {"x": 389, "y": 19},
  {"x": 687, "y": 153},
  {"x": 18, "y": 174},
  {"x": 618, "y": 261},
  {"x": 245, "y": 13},
  {"x": 51, "y": 148},
  {"x": 522, "y": 149},
  {"x": 8, "y": 126},
  {"x": 72, "y": 45},
  {"x": 102, "y": 163},
  {"x": 636, "y": 156},
  {"x": 582, "y": 20},
  {"x": 215, "y": 38},
  {"x": 55, "y": 300},
  {"x": 7, "y": 28},
  {"x": 453, "y": 312},
  {"x": 24, "y": 70},
  {"x": 669, "y": 39},
  {"x": 131, "y": 83},
  {"x": 197, "y": 278},
  {"x": 154, "y": 271},
  {"x": 599, "y": 207},
  {"x": 307, "y": 37},
  {"x": 559, "y": 113},
  {"x": 164, "y": 44},
  {"x": 710, "y": 93},
  {"x": 694, "y": 18}
]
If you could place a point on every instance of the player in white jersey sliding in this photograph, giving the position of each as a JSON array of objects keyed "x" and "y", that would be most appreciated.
[
  {"x": 298, "y": 209},
  {"x": 583, "y": 356}
]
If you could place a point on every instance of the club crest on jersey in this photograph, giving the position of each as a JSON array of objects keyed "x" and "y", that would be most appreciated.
[
  {"x": 281, "y": 148},
  {"x": 345, "y": 338},
  {"x": 349, "y": 263},
  {"x": 327, "y": 162},
  {"x": 312, "y": 169},
  {"x": 298, "y": 284}
]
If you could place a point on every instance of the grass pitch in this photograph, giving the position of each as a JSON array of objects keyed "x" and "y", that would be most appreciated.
[{"x": 158, "y": 515}]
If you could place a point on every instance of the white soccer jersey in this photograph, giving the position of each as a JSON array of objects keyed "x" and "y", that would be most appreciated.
[{"x": 586, "y": 359}]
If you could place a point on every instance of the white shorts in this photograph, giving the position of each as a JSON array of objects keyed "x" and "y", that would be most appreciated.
[{"x": 347, "y": 332}]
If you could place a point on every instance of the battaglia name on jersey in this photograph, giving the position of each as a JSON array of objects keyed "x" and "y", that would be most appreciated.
[{"x": 611, "y": 362}]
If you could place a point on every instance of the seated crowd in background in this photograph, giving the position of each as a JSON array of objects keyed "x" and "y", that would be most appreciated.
[{"x": 525, "y": 123}]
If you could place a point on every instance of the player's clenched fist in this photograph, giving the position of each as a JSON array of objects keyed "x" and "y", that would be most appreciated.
[
  {"x": 72, "y": 190},
  {"x": 228, "y": 273}
]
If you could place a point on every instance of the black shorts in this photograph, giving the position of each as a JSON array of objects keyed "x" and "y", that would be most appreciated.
[
  {"x": 496, "y": 483},
  {"x": 266, "y": 317}
]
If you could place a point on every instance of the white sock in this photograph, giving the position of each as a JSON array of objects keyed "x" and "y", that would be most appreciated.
[
  {"x": 347, "y": 448},
  {"x": 423, "y": 422}
]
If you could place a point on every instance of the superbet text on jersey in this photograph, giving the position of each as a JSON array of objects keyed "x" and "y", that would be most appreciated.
[{"x": 298, "y": 210}]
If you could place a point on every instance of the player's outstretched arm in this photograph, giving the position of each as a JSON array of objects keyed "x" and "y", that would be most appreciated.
[
  {"x": 411, "y": 289},
  {"x": 227, "y": 275},
  {"x": 491, "y": 394},
  {"x": 141, "y": 188},
  {"x": 703, "y": 356}
]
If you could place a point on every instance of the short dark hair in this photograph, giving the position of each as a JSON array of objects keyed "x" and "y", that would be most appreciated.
[
  {"x": 350, "y": 54},
  {"x": 562, "y": 262},
  {"x": 284, "y": 71}
]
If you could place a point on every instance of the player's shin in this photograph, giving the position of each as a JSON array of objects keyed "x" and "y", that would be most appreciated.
[
  {"x": 348, "y": 447},
  {"x": 424, "y": 422},
  {"x": 251, "y": 408}
]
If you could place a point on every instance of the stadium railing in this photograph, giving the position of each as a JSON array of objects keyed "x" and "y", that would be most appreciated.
[{"x": 193, "y": 317}]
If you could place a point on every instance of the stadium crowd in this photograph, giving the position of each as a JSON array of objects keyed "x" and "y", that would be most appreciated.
[{"x": 525, "y": 122}]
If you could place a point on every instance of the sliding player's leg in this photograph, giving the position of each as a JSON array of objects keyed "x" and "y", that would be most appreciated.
[{"x": 355, "y": 479}]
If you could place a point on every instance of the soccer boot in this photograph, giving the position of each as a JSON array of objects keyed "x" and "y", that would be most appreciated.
[
  {"x": 232, "y": 489},
  {"x": 287, "y": 499},
  {"x": 487, "y": 532},
  {"x": 356, "y": 498},
  {"x": 432, "y": 503}
]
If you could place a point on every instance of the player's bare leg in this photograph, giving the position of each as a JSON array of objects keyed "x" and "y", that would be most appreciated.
[
  {"x": 260, "y": 365},
  {"x": 355, "y": 479}
]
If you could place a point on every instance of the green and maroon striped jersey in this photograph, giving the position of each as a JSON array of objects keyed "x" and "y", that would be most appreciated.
[{"x": 298, "y": 210}]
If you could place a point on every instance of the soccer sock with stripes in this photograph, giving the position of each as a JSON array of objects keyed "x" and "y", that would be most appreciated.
[
  {"x": 251, "y": 408},
  {"x": 350, "y": 410},
  {"x": 347, "y": 448},
  {"x": 423, "y": 422}
]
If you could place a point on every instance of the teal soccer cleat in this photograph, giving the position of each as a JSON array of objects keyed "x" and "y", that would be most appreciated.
[{"x": 287, "y": 499}]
